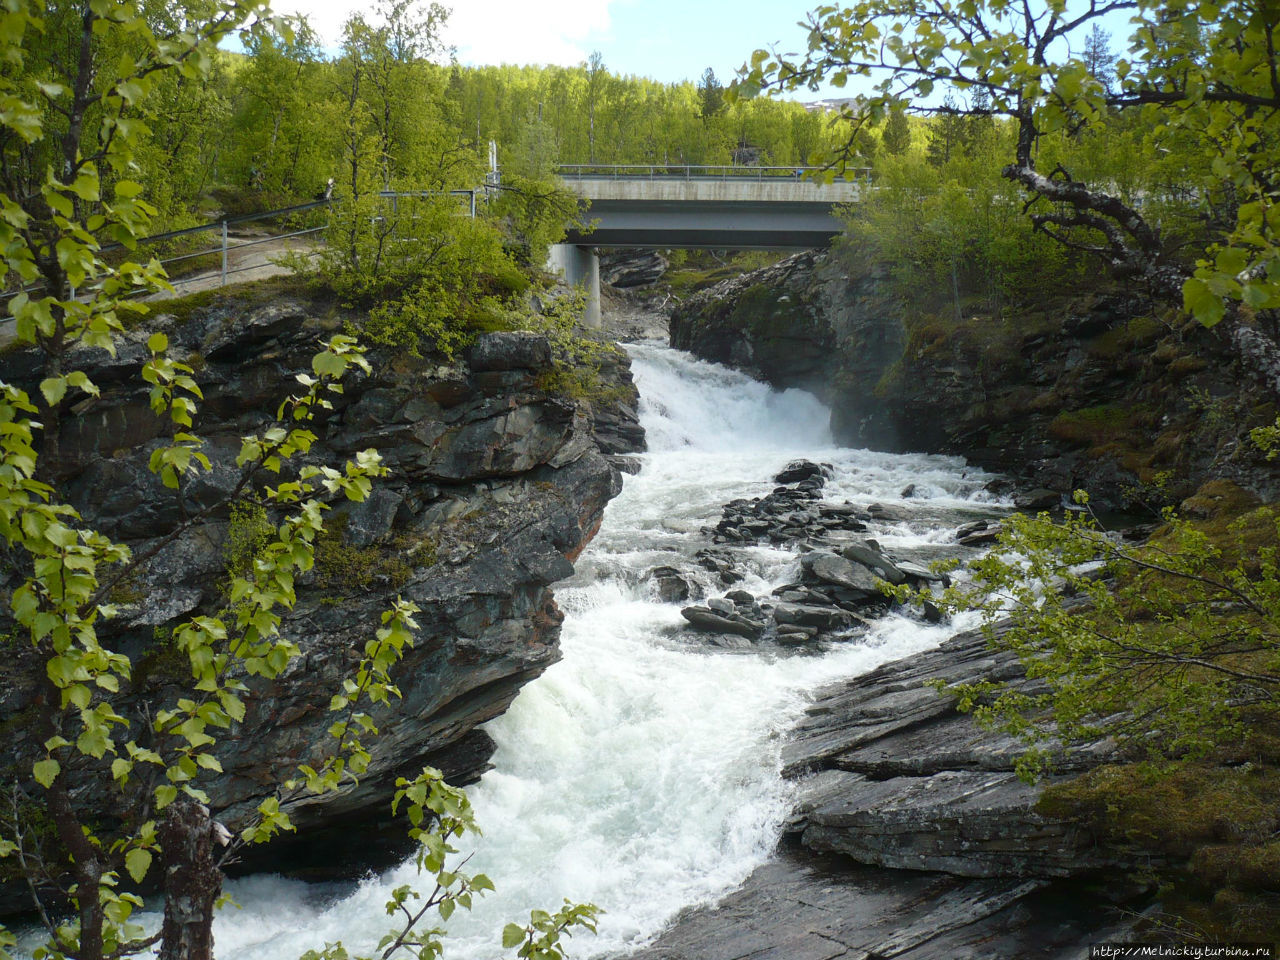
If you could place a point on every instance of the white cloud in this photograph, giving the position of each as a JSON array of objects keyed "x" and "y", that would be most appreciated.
[
  {"x": 488, "y": 31},
  {"x": 523, "y": 31},
  {"x": 325, "y": 16}
]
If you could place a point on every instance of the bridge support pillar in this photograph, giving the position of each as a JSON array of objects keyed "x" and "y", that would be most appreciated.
[{"x": 580, "y": 267}]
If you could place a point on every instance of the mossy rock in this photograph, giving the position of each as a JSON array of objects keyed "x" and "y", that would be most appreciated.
[
  {"x": 1219, "y": 499},
  {"x": 1110, "y": 423},
  {"x": 769, "y": 313}
]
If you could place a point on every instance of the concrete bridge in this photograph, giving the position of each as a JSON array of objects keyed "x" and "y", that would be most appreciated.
[{"x": 779, "y": 208}]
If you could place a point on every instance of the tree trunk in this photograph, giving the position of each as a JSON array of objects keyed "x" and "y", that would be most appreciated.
[{"x": 192, "y": 882}]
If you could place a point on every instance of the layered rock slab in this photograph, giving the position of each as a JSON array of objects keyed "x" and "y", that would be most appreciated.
[
  {"x": 806, "y": 908},
  {"x": 907, "y": 782}
]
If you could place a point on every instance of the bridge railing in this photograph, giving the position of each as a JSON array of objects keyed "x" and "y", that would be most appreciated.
[{"x": 666, "y": 171}]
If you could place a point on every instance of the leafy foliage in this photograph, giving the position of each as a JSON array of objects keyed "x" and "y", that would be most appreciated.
[
  {"x": 1200, "y": 81},
  {"x": 1171, "y": 647},
  {"x": 953, "y": 229}
]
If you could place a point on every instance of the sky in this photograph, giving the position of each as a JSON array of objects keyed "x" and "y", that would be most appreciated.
[{"x": 668, "y": 40}]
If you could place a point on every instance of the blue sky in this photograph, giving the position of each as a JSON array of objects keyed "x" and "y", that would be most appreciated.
[{"x": 668, "y": 40}]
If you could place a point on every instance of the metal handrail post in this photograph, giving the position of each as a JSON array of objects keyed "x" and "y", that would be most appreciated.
[{"x": 224, "y": 254}]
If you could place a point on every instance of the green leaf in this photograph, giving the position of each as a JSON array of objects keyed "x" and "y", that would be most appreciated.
[
  {"x": 328, "y": 364},
  {"x": 54, "y": 389},
  {"x": 1258, "y": 295},
  {"x": 46, "y": 771},
  {"x": 78, "y": 378},
  {"x": 157, "y": 342},
  {"x": 137, "y": 861},
  {"x": 512, "y": 935},
  {"x": 1201, "y": 302}
]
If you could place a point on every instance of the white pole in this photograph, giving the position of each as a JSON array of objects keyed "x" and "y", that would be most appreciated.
[{"x": 224, "y": 253}]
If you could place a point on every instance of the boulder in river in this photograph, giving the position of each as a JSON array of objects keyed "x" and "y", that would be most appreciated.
[
  {"x": 799, "y": 470},
  {"x": 853, "y": 578},
  {"x": 875, "y": 561},
  {"x": 979, "y": 533},
  {"x": 672, "y": 586},
  {"x": 704, "y": 618}
]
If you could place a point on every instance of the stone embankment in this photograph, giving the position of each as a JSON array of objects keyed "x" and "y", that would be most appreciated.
[{"x": 495, "y": 487}]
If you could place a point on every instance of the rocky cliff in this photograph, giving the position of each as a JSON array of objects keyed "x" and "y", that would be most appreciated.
[
  {"x": 495, "y": 486},
  {"x": 1101, "y": 390}
]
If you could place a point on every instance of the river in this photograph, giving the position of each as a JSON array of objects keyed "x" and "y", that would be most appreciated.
[{"x": 641, "y": 772}]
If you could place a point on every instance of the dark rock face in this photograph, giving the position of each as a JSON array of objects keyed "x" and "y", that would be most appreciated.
[
  {"x": 514, "y": 350},
  {"x": 767, "y": 322},
  {"x": 615, "y": 422},
  {"x": 495, "y": 486},
  {"x": 1089, "y": 393},
  {"x": 631, "y": 268}
]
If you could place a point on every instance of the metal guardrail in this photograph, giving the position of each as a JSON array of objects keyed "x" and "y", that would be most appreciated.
[
  {"x": 663, "y": 171},
  {"x": 227, "y": 244}
]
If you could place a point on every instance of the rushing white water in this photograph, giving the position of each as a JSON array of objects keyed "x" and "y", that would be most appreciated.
[{"x": 641, "y": 772}]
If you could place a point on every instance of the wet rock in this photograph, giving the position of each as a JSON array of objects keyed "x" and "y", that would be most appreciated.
[
  {"x": 870, "y": 557},
  {"x": 822, "y": 908},
  {"x": 793, "y": 634},
  {"x": 703, "y": 618},
  {"x": 880, "y": 511},
  {"x": 856, "y": 580},
  {"x": 509, "y": 350},
  {"x": 720, "y": 563},
  {"x": 979, "y": 533},
  {"x": 921, "y": 786},
  {"x": 805, "y": 470},
  {"x": 916, "y": 572},
  {"x": 1038, "y": 499},
  {"x": 725, "y": 641},
  {"x": 965, "y": 823},
  {"x": 625, "y": 464},
  {"x": 672, "y": 586},
  {"x": 615, "y": 422},
  {"x": 825, "y": 619}
]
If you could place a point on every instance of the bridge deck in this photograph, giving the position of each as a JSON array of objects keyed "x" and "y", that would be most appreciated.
[{"x": 691, "y": 210}]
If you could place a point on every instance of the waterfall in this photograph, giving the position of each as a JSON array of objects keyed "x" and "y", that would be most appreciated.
[{"x": 641, "y": 772}]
